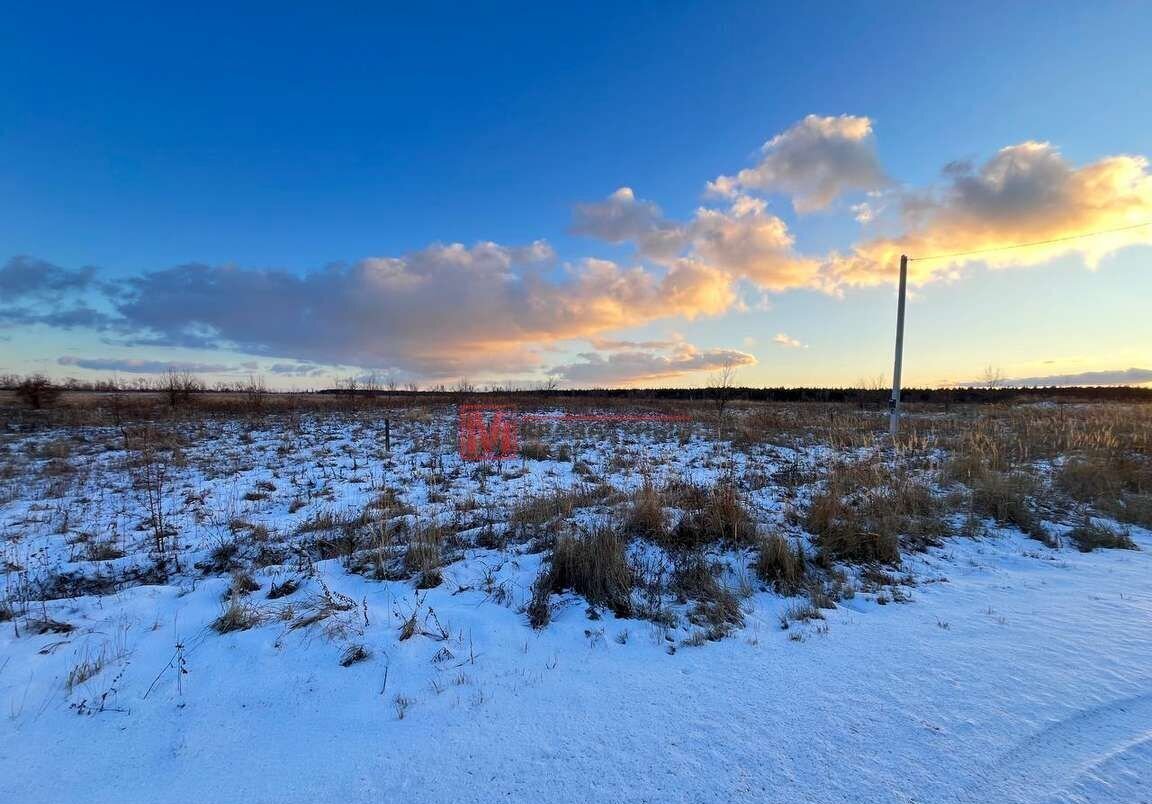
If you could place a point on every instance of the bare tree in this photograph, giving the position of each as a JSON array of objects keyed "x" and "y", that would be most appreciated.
[
  {"x": 722, "y": 384},
  {"x": 871, "y": 389},
  {"x": 115, "y": 399},
  {"x": 152, "y": 479},
  {"x": 993, "y": 376},
  {"x": 179, "y": 386},
  {"x": 37, "y": 391},
  {"x": 254, "y": 392}
]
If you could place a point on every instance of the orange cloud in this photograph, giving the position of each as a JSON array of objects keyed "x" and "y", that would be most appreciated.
[{"x": 1024, "y": 194}]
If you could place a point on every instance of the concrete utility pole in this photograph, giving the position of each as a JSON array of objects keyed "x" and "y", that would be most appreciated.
[{"x": 894, "y": 402}]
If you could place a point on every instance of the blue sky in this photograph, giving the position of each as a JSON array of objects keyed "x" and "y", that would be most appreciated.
[{"x": 137, "y": 139}]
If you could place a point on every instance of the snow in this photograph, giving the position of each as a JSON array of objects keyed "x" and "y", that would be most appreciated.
[{"x": 1014, "y": 673}]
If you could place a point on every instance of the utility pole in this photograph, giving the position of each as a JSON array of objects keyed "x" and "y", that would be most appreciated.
[{"x": 894, "y": 402}]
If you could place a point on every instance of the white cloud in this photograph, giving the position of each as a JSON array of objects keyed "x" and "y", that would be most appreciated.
[
  {"x": 621, "y": 217},
  {"x": 632, "y": 366},
  {"x": 783, "y": 339},
  {"x": 744, "y": 241},
  {"x": 815, "y": 161}
]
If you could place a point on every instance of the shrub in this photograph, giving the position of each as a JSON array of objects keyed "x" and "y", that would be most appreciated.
[
  {"x": 243, "y": 584},
  {"x": 1134, "y": 508}
]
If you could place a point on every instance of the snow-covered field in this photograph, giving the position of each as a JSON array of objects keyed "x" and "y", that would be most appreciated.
[{"x": 279, "y": 609}]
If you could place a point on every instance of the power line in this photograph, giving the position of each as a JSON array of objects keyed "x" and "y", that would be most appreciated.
[{"x": 1026, "y": 245}]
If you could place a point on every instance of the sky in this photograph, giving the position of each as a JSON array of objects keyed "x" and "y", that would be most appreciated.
[{"x": 586, "y": 194}]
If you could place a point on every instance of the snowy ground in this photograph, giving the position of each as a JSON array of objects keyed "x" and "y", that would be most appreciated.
[{"x": 1012, "y": 672}]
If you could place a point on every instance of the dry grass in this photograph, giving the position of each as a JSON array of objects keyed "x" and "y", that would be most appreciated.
[
  {"x": 1117, "y": 483},
  {"x": 424, "y": 551},
  {"x": 283, "y": 589},
  {"x": 780, "y": 564},
  {"x": 353, "y": 654},
  {"x": 534, "y": 451},
  {"x": 536, "y": 512},
  {"x": 1004, "y": 497},
  {"x": 594, "y": 565},
  {"x": 867, "y": 509},
  {"x": 238, "y": 615},
  {"x": 1089, "y": 536},
  {"x": 323, "y": 606},
  {"x": 720, "y": 516},
  {"x": 1015, "y": 464},
  {"x": 716, "y": 609},
  {"x": 645, "y": 517}
]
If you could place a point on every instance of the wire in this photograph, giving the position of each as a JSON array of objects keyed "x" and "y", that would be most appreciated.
[{"x": 1025, "y": 245}]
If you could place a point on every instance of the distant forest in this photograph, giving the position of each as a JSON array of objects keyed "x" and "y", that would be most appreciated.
[{"x": 870, "y": 396}]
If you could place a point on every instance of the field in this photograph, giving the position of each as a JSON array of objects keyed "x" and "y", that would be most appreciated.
[{"x": 325, "y": 600}]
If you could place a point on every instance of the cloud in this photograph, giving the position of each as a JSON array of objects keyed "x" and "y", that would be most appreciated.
[
  {"x": 297, "y": 369},
  {"x": 747, "y": 242},
  {"x": 621, "y": 217},
  {"x": 75, "y": 317},
  {"x": 489, "y": 309},
  {"x": 742, "y": 241},
  {"x": 441, "y": 311},
  {"x": 1130, "y": 376},
  {"x": 23, "y": 277},
  {"x": 47, "y": 294},
  {"x": 814, "y": 161},
  {"x": 607, "y": 344},
  {"x": 782, "y": 339},
  {"x": 628, "y": 367},
  {"x": 1025, "y": 193},
  {"x": 137, "y": 366}
]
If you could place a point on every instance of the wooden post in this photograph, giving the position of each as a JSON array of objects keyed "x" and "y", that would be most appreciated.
[
  {"x": 387, "y": 435},
  {"x": 894, "y": 402}
]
